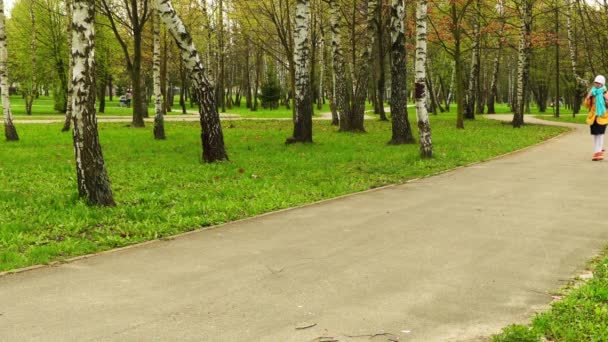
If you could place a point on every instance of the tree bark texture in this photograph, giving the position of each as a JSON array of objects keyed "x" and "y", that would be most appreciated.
[
  {"x": 424, "y": 127},
  {"x": 93, "y": 181},
  {"x": 70, "y": 91},
  {"x": 523, "y": 62},
  {"x": 302, "y": 131},
  {"x": 212, "y": 136},
  {"x": 402, "y": 131},
  {"x": 159, "y": 121},
  {"x": 342, "y": 95},
  {"x": 382, "y": 67},
  {"x": 458, "y": 82},
  {"x": 474, "y": 72},
  {"x": 10, "y": 132},
  {"x": 31, "y": 93},
  {"x": 364, "y": 68}
]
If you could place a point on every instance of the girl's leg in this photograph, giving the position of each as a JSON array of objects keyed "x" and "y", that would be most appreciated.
[
  {"x": 596, "y": 143},
  {"x": 601, "y": 142}
]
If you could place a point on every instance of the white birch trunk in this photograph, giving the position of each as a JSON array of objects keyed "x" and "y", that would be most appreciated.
[
  {"x": 341, "y": 92},
  {"x": 212, "y": 135},
  {"x": 29, "y": 98},
  {"x": 424, "y": 127},
  {"x": 93, "y": 182},
  {"x": 523, "y": 62},
  {"x": 474, "y": 72},
  {"x": 68, "y": 105},
  {"x": 321, "y": 72},
  {"x": 10, "y": 132},
  {"x": 302, "y": 100},
  {"x": 159, "y": 125}
]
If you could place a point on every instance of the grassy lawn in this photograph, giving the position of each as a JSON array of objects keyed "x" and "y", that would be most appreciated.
[
  {"x": 161, "y": 187},
  {"x": 581, "y": 316},
  {"x": 43, "y": 106},
  {"x": 579, "y": 119}
]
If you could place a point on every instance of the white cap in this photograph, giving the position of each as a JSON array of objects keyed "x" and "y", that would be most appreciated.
[{"x": 600, "y": 79}]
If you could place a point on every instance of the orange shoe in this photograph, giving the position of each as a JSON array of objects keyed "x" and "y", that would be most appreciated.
[{"x": 598, "y": 156}]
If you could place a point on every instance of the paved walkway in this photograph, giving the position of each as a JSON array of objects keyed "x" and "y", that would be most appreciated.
[{"x": 453, "y": 257}]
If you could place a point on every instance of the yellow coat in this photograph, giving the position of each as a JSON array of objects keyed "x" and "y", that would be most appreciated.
[{"x": 601, "y": 120}]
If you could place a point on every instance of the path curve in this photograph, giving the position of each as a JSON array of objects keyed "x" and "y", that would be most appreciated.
[{"x": 454, "y": 257}]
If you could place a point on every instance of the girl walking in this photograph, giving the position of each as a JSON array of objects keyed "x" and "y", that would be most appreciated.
[{"x": 597, "y": 119}]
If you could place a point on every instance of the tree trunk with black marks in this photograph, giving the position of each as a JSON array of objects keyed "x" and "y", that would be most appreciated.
[
  {"x": 31, "y": 92},
  {"x": 474, "y": 72},
  {"x": 342, "y": 95},
  {"x": 212, "y": 136},
  {"x": 159, "y": 120},
  {"x": 363, "y": 69},
  {"x": 523, "y": 62},
  {"x": 381, "y": 53},
  {"x": 302, "y": 131},
  {"x": 10, "y": 132},
  {"x": 424, "y": 127},
  {"x": 402, "y": 130},
  {"x": 93, "y": 181},
  {"x": 68, "y": 106}
]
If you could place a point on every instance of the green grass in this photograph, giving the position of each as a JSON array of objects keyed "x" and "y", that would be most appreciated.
[
  {"x": 579, "y": 118},
  {"x": 162, "y": 188},
  {"x": 43, "y": 106},
  {"x": 581, "y": 316}
]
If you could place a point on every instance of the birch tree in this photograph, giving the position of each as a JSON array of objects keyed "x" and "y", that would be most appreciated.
[
  {"x": 10, "y": 132},
  {"x": 402, "y": 131},
  {"x": 342, "y": 95},
  {"x": 493, "y": 93},
  {"x": 159, "y": 125},
  {"x": 424, "y": 127},
  {"x": 351, "y": 102},
  {"x": 523, "y": 61},
  {"x": 32, "y": 91},
  {"x": 93, "y": 181},
  {"x": 302, "y": 131},
  {"x": 212, "y": 136},
  {"x": 475, "y": 67},
  {"x": 68, "y": 110}
]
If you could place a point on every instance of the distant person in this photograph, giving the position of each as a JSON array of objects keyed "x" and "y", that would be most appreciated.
[
  {"x": 128, "y": 98},
  {"x": 597, "y": 119}
]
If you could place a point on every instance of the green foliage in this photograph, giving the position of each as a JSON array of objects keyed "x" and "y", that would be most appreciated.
[
  {"x": 517, "y": 333},
  {"x": 59, "y": 99},
  {"x": 271, "y": 89},
  {"x": 162, "y": 188}
]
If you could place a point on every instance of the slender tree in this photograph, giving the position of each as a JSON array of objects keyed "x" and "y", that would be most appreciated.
[
  {"x": 493, "y": 93},
  {"x": 342, "y": 95},
  {"x": 31, "y": 93},
  {"x": 159, "y": 125},
  {"x": 424, "y": 127},
  {"x": 137, "y": 14},
  {"x": 70, "y": 91},
  {"x": 302, "y": 131},
  {"x": 10, "y": 132},
  {"x": 475, "y": 67},
  {"x": 523, "y": 62},
  {"x": 402, "y": 131},
  {"x": 93, "y": 181},
  {"x": 212, "y": 136}
]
